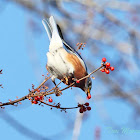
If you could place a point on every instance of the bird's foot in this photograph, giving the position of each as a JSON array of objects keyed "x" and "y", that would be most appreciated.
[
  {"x": 66, "y": 80},
  {"x": 57, "y": 91}
]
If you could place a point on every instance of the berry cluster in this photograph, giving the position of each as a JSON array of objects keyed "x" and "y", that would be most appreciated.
[
  {"x": 84, "y": 107},
  {"x": 106, "y": 66},
  {"x": 36, "y": 99},
  {"x": 80, "y": 46},
  {"x": 39, "y": 98}
]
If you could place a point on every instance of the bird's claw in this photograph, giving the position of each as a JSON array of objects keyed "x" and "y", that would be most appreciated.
[
  {"x": 57, "y": 91},
  {"x": 66, "y": 80}
]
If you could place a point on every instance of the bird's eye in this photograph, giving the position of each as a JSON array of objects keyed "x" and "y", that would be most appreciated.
[{"x": 89, "y": 83}]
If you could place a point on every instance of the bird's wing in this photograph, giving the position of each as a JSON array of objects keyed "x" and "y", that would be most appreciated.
[
  {"x": 69, "y": 48},
  {"x": 73, "y": 51}
]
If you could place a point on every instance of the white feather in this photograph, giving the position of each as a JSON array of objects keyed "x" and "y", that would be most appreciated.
[
  {"x": 57, "y": 60},
  {"x": 56, "y": 41}
]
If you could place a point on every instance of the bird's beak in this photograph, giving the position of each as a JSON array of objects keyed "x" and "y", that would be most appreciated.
[{"x": 88, "y": 91}]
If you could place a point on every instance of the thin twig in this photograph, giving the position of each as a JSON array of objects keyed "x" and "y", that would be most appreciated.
[
  {"x": 57, "y": 106},
  {"x": 46, "y": 79}
]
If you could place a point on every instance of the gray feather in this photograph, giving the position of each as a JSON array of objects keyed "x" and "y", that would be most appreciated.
[{"x": 48, "y": 28}]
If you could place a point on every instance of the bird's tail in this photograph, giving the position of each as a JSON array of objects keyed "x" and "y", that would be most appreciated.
[{"x": 50, "y": 26}]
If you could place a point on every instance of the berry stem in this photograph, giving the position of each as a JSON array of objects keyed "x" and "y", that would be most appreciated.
[{"x": 59, "y": 106}]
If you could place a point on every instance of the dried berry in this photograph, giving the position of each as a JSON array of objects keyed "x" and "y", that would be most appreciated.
[
  {"x": 86, "y": 104},
  {"x": 81, "y": 110},
  {"x": 84, "y": 108},
  {"x": 88, "y": 108},
  {"x": 79, "y": 105}
]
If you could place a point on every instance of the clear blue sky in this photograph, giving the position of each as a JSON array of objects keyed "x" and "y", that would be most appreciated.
[{"x": 23, "y": 64}]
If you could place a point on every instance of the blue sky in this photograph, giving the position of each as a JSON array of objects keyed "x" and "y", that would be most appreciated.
[{"x": 23, "y": 65}]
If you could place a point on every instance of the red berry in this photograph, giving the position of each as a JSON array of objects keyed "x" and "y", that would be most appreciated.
[
  {"x": 77, "y": 81},
  {"x": 81, "y": 110},
  {"x": 107, "y": 65},
  {"x": 111, "y": 68},
  {"x": 50, "y": 100},
  {"x": 107, "y": 71},
  {"x": 88, "y": 108},
  {"x": 104, "y": 59},
  {"x": 89, "y": 96},
  {"x": 84, "y": 108},
  {"x": 38, "y": 90},
  {"x": 35, "y": 102},
  {"x": 41, "y": 97},
  {"x": 107, "y": 68},
  {"x": 86, "y": 104},
  {"x": 102, "y": 70},
  {"x": 36, "y": 98}
]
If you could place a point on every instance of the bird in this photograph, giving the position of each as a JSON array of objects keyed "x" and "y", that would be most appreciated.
[{"x": 63, "y": 61}]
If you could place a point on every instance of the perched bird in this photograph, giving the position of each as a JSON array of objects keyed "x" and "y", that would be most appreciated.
[{"x": 64, "y": 62}]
